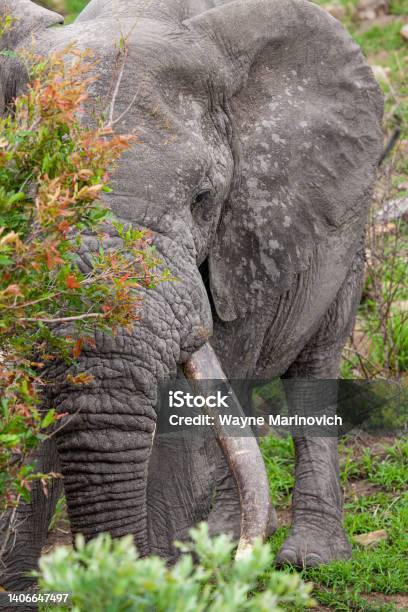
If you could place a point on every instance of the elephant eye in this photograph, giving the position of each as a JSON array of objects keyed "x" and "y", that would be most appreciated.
[{"x": 201, "y": 197}]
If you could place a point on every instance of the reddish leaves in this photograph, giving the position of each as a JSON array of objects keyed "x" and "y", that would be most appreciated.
[{"x": 72, "y": 282}]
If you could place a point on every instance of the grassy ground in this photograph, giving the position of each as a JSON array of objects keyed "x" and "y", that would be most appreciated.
[{"x": 374, "y": 474}]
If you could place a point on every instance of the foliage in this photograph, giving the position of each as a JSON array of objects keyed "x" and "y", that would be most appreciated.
[
  {"x": 108, "y": 575},
  {"x": 379, "y": 344},
  {"x": 52, "y": 174},
  {"x": 381, "y": 504},
  {"x": 6, "y": 23}
]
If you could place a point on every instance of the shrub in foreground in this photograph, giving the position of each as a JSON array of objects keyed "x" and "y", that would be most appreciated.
[{"x": 107, "y": 575}]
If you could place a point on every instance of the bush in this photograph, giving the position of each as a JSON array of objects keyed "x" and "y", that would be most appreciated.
[{"x": 107, "y": 575}]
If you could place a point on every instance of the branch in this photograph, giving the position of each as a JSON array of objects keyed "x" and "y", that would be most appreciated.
[
  {"x": 34, "y": 302},
  {"x": 126, "y": 110},
  {"x": 91, "y": 315}
]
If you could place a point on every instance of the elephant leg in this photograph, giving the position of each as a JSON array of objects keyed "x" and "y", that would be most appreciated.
[
  {"x": 189, "y": 481},
  {"x": 180, "y": 488},
  {"x": 27, "y": 530},
  {"x": 225, "y": 515},
  {"x": 317, "y": 535}
]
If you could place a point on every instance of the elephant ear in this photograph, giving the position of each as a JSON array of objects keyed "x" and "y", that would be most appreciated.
[
  {"x": 28, "y": 18},
  {"x": 306, "y": 114}
]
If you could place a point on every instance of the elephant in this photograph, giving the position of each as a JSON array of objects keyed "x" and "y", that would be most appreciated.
[{"x": 260, "y": 123}]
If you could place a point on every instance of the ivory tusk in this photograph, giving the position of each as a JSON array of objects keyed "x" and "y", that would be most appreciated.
[{"x": 258, "y": 517}]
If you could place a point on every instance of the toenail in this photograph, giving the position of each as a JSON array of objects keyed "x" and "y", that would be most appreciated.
[
  {"x": 312, "y": 560},
  {"x": 288, "y": 555}
]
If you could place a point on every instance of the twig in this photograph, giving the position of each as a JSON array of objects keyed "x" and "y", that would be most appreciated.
[
  {"x": 126, "y": 110},
  {"x": 68, "y": 420},
  {"x": 34, "y": 302},
  {"x": 117, "y": 86},
  {"x": 125, "y": 39},
  {"x": 361, "y": 358},
  {"x": 91, "y": 315}
]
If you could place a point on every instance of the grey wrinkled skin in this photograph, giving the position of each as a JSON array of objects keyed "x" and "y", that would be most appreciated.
[{"x": 268, "y": 110}]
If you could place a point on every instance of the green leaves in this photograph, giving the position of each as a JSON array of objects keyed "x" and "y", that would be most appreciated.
[
  {"x": 48, "y": 419},
  {"x": 108, "y": 575},
  {"x": 6, "y": 24}
]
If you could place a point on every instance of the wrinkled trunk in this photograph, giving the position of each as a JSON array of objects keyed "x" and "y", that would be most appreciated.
[
  {"x": 105, "y": 444},
  {"x": 106, "y": 439}
]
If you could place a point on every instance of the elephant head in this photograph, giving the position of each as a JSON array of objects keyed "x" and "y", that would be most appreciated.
[{"x": 260, "y": 129}]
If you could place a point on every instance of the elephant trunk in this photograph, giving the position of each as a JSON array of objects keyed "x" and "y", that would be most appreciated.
[
  {"x": 244, "y": 459},
  {"x": 105, "y": 439}
]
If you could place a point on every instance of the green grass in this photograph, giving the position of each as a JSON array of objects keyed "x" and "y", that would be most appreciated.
[
  {"x": 386, "y": 37},
  {"x": 390, "y": 275},
  {"x": 59, "y": 513},
  {"x": 399, "y": 7},
  {"x": 278, "y": 454},
  {"x": 390, "y": 476},
  {"x": 73, "y": 8},
  {"x": 70, "y": 8},
  {"x": 381, "y": 569}
]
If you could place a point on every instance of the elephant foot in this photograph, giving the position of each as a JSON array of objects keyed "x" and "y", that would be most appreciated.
[{"x": 308, "y": 546}]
